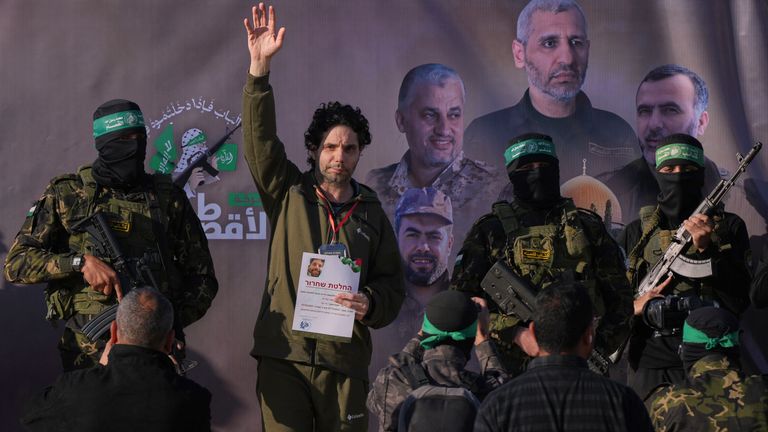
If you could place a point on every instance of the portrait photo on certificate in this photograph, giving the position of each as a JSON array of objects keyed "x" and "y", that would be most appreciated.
[{"x": 316, "y": 313}]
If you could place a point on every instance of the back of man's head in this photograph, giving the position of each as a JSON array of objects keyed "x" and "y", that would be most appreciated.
[
  {"x": 450, "y": 318},
  {"x": 562, "y": 316},
  {"x": 144, "y": 318}
]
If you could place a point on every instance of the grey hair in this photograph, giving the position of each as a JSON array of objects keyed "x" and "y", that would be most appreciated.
[
  {"x": 554, "y": 6},
  {"x": 701, "y": 100},
  {"x": 144, "y": 318},
  {"x": 430, "y": 73}
]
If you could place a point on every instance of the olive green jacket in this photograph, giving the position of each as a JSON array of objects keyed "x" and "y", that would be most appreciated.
[{"x": 299, "y": 223}]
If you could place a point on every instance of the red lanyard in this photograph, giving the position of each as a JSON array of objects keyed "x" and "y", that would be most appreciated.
[{"x": 331, "y": 220}]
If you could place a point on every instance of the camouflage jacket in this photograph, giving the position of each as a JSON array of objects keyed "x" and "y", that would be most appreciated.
[
  {"x": 45, "y": 245},
  {"x": 718, "y": 397},
  {"x": 472, "y": 186},
  {"x": 443, "y": 366},
  {"x": 603, "y": 275},
  {"x": 465, "y": 181}
]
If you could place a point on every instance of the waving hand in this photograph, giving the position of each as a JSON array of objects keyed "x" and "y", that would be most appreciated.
[{"x": 263, "y": 43}]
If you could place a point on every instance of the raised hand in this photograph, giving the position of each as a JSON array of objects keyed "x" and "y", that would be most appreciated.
[
  {"x": 483, "y": 320},
  {"x": 263, "y": 42}
]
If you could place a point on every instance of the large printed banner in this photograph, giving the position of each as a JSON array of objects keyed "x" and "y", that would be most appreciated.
[{"x": 185, "y": 64}]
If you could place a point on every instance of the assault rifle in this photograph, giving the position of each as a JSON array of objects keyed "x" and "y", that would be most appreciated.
[
  {"x": 201, "y": 160},
  {"x": 673, "y": 261},
  {"x": 516, "y": 296},
  {"x": 131, "y": 273}
]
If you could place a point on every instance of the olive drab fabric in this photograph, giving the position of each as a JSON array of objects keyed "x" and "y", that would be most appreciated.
[
  {"x": 43, "y": 250},
  {"x": 299, "y": 223},
  {"x": 571, "y": 244}
]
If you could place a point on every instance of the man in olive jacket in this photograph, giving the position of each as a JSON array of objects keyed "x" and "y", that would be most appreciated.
[{"x": 307, "y": 383}]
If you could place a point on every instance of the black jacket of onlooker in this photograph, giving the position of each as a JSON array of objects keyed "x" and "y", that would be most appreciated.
[{"x": 138, "y": 390}]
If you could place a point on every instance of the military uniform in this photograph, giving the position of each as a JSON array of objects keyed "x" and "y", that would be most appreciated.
[
  {"x": 471, "y": 185},
  {"x": 443, "y": 365},
  {"x": 542, "y": 245},
  {"x": 154, "y": 221},
  {"x": 717, "y": 397},
  {"x": 653, "y": 355}
]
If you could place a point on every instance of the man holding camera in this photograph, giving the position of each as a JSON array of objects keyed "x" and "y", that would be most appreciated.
[{"x": 720, "y": 240}]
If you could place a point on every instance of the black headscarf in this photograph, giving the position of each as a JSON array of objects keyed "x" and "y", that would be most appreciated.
[
  {"x": 680, "y": 192},
  {"x": 121, "y": 160},
  {"x": 537, "y": 187}
]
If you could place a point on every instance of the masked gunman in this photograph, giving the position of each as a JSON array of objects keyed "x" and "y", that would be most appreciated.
[{"x": 150, "y": 218}]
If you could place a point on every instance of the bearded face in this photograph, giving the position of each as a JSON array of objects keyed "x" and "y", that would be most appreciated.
[{"x": 425, "y": 242}]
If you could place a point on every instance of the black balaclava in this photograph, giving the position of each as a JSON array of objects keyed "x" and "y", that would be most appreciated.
[
  {"x": 680, "y": 193},
  {"x": 537, "y": 187},
  {"x": 121, "y": 160},
  {"x": 450, "y": 318},
  {"x": 709, "y": 330}
]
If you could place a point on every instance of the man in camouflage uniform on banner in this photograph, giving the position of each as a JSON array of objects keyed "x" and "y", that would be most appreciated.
[
  {"x": 150, "y": 218},
  {"x": 543, "y": 237},
  {"x": 430, "y": 113},
  {"x": 717, "y": 395}
]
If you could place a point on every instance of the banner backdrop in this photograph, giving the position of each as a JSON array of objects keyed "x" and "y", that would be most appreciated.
[{"x": 185, "y": 64}]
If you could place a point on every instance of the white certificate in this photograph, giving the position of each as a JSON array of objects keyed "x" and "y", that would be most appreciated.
[{"x": 322, "y": 277}]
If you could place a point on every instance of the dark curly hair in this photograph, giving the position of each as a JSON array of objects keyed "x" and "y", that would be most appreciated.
[{"x": 332, "y": 114}]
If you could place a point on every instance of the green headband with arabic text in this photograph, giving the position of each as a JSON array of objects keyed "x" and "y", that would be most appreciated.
[
  {"x": 118, "y": 121},
  {"x": 529, "y": 147},
  {"x": 679, "y": 151}
]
